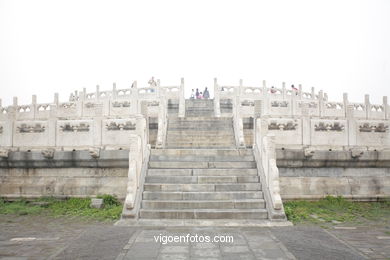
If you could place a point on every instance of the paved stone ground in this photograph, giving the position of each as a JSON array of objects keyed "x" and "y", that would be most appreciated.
[{"x": 40, "y": 237}]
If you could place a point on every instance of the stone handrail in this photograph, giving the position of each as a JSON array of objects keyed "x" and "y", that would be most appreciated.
[
  {"x": 182, "y": 101},
  {"x": 238, "y": 126},
  {"x": 270, "y": 169},
  {"x": 265, "y": 155},
  {"x": 138, "y": 154},
  {"x": 292, "y": 101},
  {"x": 162, "y": 124}
]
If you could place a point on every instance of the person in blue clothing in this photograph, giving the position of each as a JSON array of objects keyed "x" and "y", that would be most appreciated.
[{"x": 206, "y": 94}]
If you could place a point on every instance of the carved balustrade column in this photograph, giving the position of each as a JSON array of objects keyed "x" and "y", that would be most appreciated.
[
  {"x": 161, "y": 121},
  {"x": 182, "y": 101},
  {"x": 306, "y": 126},
  {"x": 293, "y": 103},
  {"x": 158, "y": 88},
  {"x": 321, "y": 103},
  {"x": 345, "y": 103},
  {"x": 52, "y": 121},
  {"x": 135, "y": 103},
  {"x": 97, "y": 92},
  {"x": 300, "y": 92},
  {"x": 313, "y": 93},
  {"x": 14, "y": 109},
  {"x": 368, "y": 106},
  {"x": 34, "y": 106},
  {"x": 80, "y": 103},
  {"x": 217, "y": 96},
  {"x": 351, "y": 125},
  {"x": 266, "y": 101}
]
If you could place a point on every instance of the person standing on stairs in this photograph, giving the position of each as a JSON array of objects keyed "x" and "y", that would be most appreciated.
[{"x": 206, "y": 94}]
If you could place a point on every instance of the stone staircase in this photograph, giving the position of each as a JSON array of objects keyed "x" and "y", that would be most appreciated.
[
  {"x": 202, "y": 184},
  {"x": 199, "y": 108},
  {"x": 201, "y": 175},
  {"x": 200, "y": 132}
]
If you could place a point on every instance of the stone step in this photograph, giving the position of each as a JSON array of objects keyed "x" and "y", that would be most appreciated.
[
  {"x": 199, "y": 139},
  {"x": 199, "y": 102},
  {"x": 205, "y": 213},
  {"x": 201, "y": 146},
  {"x": 202, "y": 152},
  {"x": 202, "y": 187},
  {"x": 221, "y": 195},
  {"x": 202, "y": 172},
  {"x": 201, "y": 179},
  {"x": 208, "y": 124},
  {"x": 202, "y": 165},
  {"x": 211, "y": 129},
  {"x": 196, "y": 158},
  {"x": 204, "y": 113},
  {"x": 211, "y": 121},
  {"x": 189, "y": 143},
  {"x": 199, "y": 105},
  {"x": 200, "y": 134},
  {"x": 204, "y": 204},
  {"x": 214, "y": 119}
]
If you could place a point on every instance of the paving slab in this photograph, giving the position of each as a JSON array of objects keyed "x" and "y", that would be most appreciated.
[{"x": 43, "y": 237}]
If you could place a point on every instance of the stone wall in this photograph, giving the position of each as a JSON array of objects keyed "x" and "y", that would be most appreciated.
[
  {"x": 62, "y": 182},
  {"x": 336, "y": 173},
  {"x": 64, "y": 173},
  {"x": 79, "y": 174}
]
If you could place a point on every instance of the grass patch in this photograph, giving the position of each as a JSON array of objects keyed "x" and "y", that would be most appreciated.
[
  {"x": 69, "y": 207},
  {"x": 335, "y": 209},
  {"x": 20, "y": 207}
]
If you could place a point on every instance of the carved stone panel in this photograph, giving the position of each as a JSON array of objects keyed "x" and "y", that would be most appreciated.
[
  {"x": 118, "y": 126},
  {"x": 75, "y": 127},
  {"x": 374, "y": 127},
  {"x": 327, "y": 126},
  {"x": 30, "y": 128}
]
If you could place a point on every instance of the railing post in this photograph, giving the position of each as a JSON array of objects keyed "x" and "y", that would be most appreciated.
[
  {"x": 345, "y": 103},
  {"x": 34, "y": 106},
  {"x": 217, "y": 106},
  {"x": 97, "y": 92},
  {"x": 162, "y": 122},
  {"x": 135, "y": 103},
  {"x": 368, "y": 106},
  {"x": 300, "y": 92},
  {"x": 306, "y": 128},
  {"x": 182, "y": 101},
  {"x": 321, "y": 103},
  {"x": 265, "y": 108},
  {"x": 284, "y": 90},
  {"x": 351, "y": 125},
  {"x": 386, "y": 108}
]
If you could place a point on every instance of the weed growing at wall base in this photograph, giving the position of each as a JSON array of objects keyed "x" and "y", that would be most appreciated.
[{"x": 69, "y": 207}]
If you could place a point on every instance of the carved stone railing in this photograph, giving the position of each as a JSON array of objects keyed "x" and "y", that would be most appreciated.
[
  {"x": 265, "y": 156},
  {"x": 138, "y": 160},
  {"x": 288, "y": 102}
]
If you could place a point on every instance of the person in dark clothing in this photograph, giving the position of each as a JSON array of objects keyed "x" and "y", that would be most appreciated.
[{"x": 197, "y": 94}]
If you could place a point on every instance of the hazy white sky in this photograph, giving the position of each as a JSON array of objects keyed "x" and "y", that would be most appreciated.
[{"x": 49, "y": 46}]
